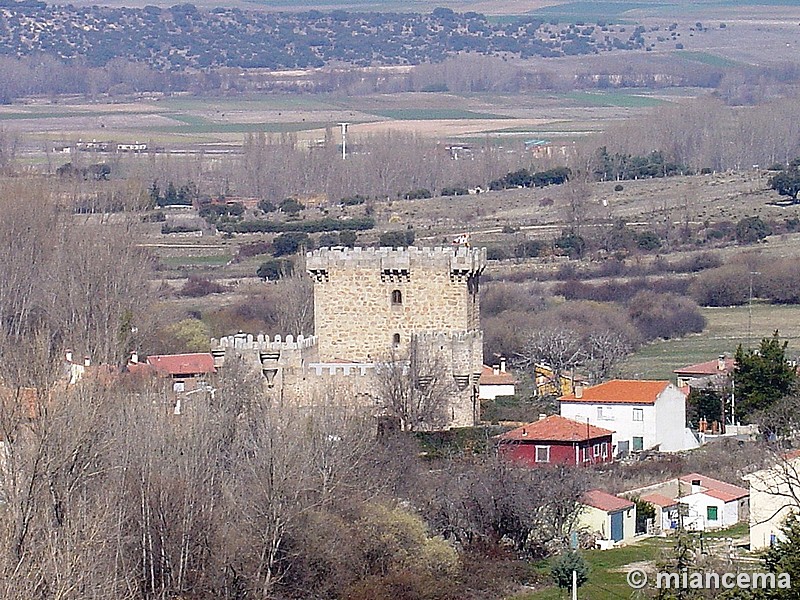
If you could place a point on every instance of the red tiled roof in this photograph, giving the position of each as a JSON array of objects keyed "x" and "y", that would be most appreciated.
[
  {"x": 710, "y": 367},
  {"x": 660, "y": 500},
  {"x": 605, "y": 501},
  {"x": 554, "y": 428},
  {"x": 620, "y": 391},
  {"x": 183, "y": 364},
  {"x": 488, "y": 377},
  {"x": 715, "y": 488}
]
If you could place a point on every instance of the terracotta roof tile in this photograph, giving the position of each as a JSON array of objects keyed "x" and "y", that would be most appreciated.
[
  {"x": 488, "y": 377},
  {"x": 605, "y": 501},
  {"x": 710, "y": 367},
  {"x": 716, "y": 488},
  {"x": 621, "y": 391},
  {"x": 554, "y": 428},
  {"x": 183, "y": 364},
  {"x": 660, "y": 500}
]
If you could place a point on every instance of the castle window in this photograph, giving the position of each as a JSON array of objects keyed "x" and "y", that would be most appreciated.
[
  {"x": 396, "y": 340},
  {"x": 397, "y": 297}
]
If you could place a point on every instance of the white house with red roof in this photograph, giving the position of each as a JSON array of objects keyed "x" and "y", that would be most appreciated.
[
  {"x": 609, "y": 517},
  {"x": 698, "y": 501},
  {"x": 496, "y": 381},
  {"x": 712, "y": 504},
  {"x": 645, "y": 415}
]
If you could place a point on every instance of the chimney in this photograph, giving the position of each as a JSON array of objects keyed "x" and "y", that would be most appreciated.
[
  {"x": 87, "y": 362},
  {"x": 721, "y": 363},
  {"x": 542, "y": 416},
  {"x": 524, "y": 431},
  {"x": 134, "y": 357},
  {"x": 502, "y": 365},
  {"x": 695, "y": 486},
  {"x": 496, "y": 369},
  {"x": 69, "y": 356},
  {"x": 579, "y": 391}
]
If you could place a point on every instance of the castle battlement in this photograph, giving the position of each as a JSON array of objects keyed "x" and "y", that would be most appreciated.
[
  {"x": 346, "y": 369},
  {"x": 242, "y": 341},
  {"x": 458, "y": 260}
]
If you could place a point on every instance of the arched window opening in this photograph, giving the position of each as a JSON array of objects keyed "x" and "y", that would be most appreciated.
[{"x": 397, "y": 297}]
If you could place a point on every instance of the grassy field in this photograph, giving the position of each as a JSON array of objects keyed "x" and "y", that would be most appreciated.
[
  {"x": 707, "y": 58},
  {"x": 726, "y": 329},
  {"x": 607, "y": 571},
  {"x": 614, "y": 99}
]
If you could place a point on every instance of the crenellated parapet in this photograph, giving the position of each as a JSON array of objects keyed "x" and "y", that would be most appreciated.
[
  {"x": 248, "y": 341},
  {"x": 396, "y": 262}
]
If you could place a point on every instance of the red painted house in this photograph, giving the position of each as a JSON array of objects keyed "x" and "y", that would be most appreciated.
[{"x": 556, "y": 440}]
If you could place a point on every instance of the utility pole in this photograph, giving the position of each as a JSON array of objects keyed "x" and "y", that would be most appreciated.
[{"x": 344, "y": 139}]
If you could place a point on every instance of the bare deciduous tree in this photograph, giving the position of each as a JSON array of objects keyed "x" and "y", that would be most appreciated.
[{"x": 416, "y": 388}]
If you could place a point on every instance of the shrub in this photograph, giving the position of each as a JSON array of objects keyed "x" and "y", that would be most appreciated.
[
  {"x": 347, "y": 238},
  {"x": 274, "y": 269},
  {"x": 497, "y": 253},
  {"x": 664, "y": 315},
  {"x": 353, "y": 200},
  {"x": 529, "y": 249},
  {"x": 545, "y": 202},
  {"x": 571, "y": 244},
  {"x": 197, "y": 286},
  {"x": 309, "y": 226},
  {"x": 289, "y": 243},
  {"x": 397, "y": 239},
  {"x": 750, "y": 230},
  {"x": 724, "y": 286},
  {"x": 267, "y": 206},
  {"x": 618, "y": 187},
  {"x": 649, "y": 240},
  {"x": 167, "y": 229},
  {"x": 291, "y": 206},
  {"x": 418, "y": 194},
  {"x": 509, "y": 229},
  {"x": 328, "y": 239},
  {"x": 455, "y": 191}
]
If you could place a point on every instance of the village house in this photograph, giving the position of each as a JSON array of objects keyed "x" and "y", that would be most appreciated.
[
  {"x": 714, "y": 373},
  {"x": 645, "y": 415},
  {"x": 667, "y": 512},
  {"x": 555, "y": 440},
  {"x": 610, "y": 518},
  {"x": 187, "y": 372},
  {"x": 547, "y": 384},
  {"x": 774, "y": 494},
  {"x": 702, "y": 502},
  {"x": 496, "y": 381}
]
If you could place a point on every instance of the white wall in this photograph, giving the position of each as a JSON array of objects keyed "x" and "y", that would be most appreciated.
[
  {"x": 663, "y": 423},
  {"x": 727, "y": 512},
  {"x": 492, "y": 391},
  {"x": 772, "y": 498}
]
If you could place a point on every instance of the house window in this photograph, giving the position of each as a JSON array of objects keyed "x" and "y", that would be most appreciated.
[
  {"x": 585, "y": 455},
  {"x": 596, "y": 449},
  {"x": 604, "y": 413},
  {"x": 178, "y": 386},
  {"x": 396, "y": 340},
  {"x": 542, "y": 454},
  {"x": 604, "y": 449},
  {"x": 638, "y": 414},
  {"x": 397, "y": 297},
  {"x": 711, "y": 513},
  {"x": 638, "y": 444}
]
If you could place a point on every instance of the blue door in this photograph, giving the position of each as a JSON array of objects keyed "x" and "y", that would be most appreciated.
[{"x": 616, "y": 526}]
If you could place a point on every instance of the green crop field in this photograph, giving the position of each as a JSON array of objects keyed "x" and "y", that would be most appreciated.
[
  {"x": 613, "y": 99},
  {"x": 726, "y": 329},
  {"x": 707, "y": 58}
]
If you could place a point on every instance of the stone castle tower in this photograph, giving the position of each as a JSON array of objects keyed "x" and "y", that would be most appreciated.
[{"x": 372, "y": 304}]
